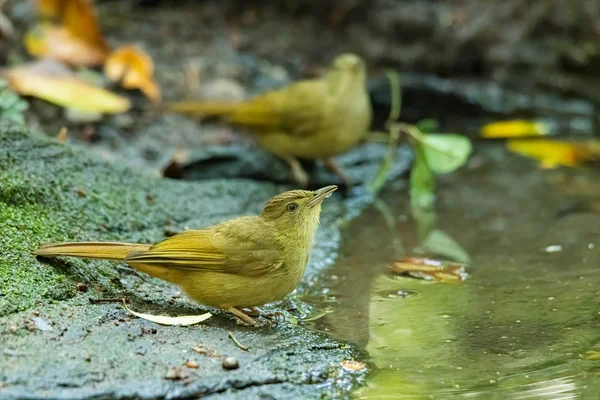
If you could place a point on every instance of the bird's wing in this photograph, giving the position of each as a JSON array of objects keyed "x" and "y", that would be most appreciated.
[
  {"x": 298, "y": 109},
  {"x": 209, "y": 250}
]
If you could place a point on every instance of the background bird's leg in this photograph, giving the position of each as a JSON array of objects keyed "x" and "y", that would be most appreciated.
[
  {"x": 300, "y": 175},
  {"x": 333, "y": 167},
  {"x": 242, "y": 316}
]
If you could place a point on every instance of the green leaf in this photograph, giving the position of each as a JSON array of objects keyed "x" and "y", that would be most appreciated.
[
  {"x": 445, "y": 152},
  {"x": 427, "y": 125},
  {"x": 444, "y": 245},
  {"x": 422, "y": 186}
]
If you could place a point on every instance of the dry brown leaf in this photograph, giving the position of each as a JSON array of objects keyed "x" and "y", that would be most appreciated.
[
  {"x": 134, "y": 69},
  {"x": 79, "y": 17},
  {"x": 53, "y": 41},
  {"x": 183, "y": 320},
  {"x": 51, "y": 81},
  {"x": 554, "y": 153},
  {"x": 430, "y": 269},
  {"x": 62, "y": 134}
]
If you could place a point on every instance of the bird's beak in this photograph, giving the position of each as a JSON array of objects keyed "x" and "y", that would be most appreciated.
[{"x": 321, "y": 195}]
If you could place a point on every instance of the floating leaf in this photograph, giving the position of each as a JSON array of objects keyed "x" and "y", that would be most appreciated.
[
  {"x": 183, "y": 320},
  {"x": 353, "y": 366},
  {"x": 515, "y": 128},
  {"x": 79, "y": 17},
  {"x": 447, "y": 152},
  {"x": 51, "y": 81},
  {"x": 134, "y": 69},
  {"x": 53, "y": 41},
  {"x": 430, "y": 269},
  {"x": 554, "y": 153}
]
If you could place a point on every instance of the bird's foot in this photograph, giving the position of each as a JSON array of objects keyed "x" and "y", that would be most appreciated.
[
  {"x": 273, "y": 317},
  {"x": 242, "y": 317},
  {"x": 251, "y": 311}
]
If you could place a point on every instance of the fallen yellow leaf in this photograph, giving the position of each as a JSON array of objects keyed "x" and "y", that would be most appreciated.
[
  {"x": 514, "y": 128},
  {"x": 134, "y": 69},
  {"x": 53, "y": 41},
  {"x": 51, "y": 81},
  {"x": 552, "y": 153},
  {"x": 79, "y": 17},
  {"x": 183, "y": 320}
]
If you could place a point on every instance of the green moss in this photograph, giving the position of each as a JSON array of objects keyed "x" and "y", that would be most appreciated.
[
  {"x": 23, "y": 280},
  {"x": 50, "y": 191}
]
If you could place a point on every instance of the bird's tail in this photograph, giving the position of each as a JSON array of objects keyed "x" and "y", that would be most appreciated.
[
  {"x": 203, "y": 108},
  {"x": 99, "y": 250}
]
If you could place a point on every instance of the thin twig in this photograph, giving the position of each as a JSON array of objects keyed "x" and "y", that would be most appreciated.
[
  {"x": 107, "y": 300},
  {"x": 237, "y": 343}
]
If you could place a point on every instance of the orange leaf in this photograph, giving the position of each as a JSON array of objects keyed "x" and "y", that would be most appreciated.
[
  {"x": 77, "y": 16},
  {"x": 515, "y": 128},
  {"x": 51, "y": 81},
  {"x": 430, "y": 269},
  {"x": 133, "y": 68},
  {"x": 553, "y": 153},
  {"x": 353, "y": 366},
  {"x": 52, "y": 41}
]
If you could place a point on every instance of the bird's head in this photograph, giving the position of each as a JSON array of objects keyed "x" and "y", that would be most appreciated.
[
  {"x": 349, "y": 62},
  {"x": 297, "y": 211},
  {"x": 347, "y": 74}
]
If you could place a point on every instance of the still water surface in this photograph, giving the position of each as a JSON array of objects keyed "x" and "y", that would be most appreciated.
[{"x": 518, "y": 328}]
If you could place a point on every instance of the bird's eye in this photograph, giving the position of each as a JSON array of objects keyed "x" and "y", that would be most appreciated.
[{"x": 292, "y": 207}]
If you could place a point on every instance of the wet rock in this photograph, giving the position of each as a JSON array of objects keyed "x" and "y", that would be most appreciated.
[
  {"x": 361, "y": 165},
  {"x": 38, "y": 205}
]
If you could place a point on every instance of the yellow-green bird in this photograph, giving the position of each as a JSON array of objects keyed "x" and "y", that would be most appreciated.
[
  {"x": 311, "y": 119},
  {"x": 241, "y": 263}
]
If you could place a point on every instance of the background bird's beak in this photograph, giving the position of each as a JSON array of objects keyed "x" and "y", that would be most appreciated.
[{"x": 322, "y": 194}]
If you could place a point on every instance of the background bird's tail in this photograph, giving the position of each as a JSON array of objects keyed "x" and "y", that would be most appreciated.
[
  {"x": 99, "y": 250},
  {"x": 203, "y": 108}
]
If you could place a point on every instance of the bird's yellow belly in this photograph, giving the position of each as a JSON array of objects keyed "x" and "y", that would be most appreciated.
[
  {"x": 221, "y": 290},
  {"x": 330, "y": 141}
]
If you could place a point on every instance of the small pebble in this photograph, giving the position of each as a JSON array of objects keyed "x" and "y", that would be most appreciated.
[
  {"x": 192, "y": 364},
  {"x": 13, "y": 328},
  {"x": 175, "y": 374},
  {"x": 230, "y": 363},
  {"x": 82, "y": 287},
  {"x": 36, "y": 313}
]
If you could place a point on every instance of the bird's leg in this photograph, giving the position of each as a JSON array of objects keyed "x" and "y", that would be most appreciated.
[
  {"x": 300, "y": 175},
  {"x": 333, "y": 167},
  {"x": 242, "y": 316},
  {"x": 251, "y": 311}
]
